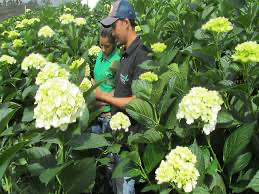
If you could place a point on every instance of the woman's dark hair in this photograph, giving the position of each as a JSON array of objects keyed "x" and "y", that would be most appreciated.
[{"x": 107, "y": 32}]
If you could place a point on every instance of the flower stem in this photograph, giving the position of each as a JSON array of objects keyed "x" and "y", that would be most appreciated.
[{"x": 213, "y": 153}]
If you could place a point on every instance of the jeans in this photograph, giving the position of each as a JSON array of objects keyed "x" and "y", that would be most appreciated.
[{"x": 124, "y": 185}]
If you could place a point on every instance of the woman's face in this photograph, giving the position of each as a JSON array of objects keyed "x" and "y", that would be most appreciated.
[{"x": 106, "y": 46}]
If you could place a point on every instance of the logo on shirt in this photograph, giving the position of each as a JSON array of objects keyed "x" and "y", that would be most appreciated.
[{"x": 124, "y": 78}]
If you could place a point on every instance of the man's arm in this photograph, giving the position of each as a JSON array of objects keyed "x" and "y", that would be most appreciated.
[{"x": 115, "y": 101}]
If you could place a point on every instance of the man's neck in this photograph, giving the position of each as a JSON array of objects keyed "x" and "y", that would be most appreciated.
[{"x": 131, "y": 37}]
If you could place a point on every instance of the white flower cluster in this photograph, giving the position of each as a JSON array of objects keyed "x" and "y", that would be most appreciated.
[
  {"x": 179, "y": 169},
  {"x": 59, "y": 103},
  {"x": 94, "y": 50},
  {"x": 36, "y": 61},
  {"x": 66, "y": 18},
  {"x": 120, "y": 121},
  {"x": 46, "y": 32},
  {"x": 80, "y": 21},
  {"x": 7, "y": 59},
  {"x": 49, "y": 71},
  {"x": 202, "y": 104}
]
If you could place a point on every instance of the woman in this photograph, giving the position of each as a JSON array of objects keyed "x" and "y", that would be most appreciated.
[{"x": 102, "y": 71}]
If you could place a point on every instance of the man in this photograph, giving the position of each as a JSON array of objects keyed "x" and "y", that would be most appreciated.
[{"x": 122, "y": 20}]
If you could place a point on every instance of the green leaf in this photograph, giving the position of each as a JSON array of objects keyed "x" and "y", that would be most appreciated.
[
  {"x": 241, "y": 162},
  {"x": 152, "y": 136},
  {"x": 217, "y": 184},
  {"x": 224, "y": 117},
  {"x": 7, "y": 156},
  {"x": 142, "y": 112},
  {"x": 88, "y": 141},
  {"x": 6, "y": 115},
  {"x": 27, "y": 115},
  {"x": 142, "y": 89},
  {"x": 79, "y": 176},
  {"x": 200, "y": 164},
  {"x": 149, "y": 65},
  {"x": 201, "y": 190},
  {"x": 254, "y": 183},
  {"x": 50, "y": 173},
  {"x": 237, "y": 142},
  {"x": 153, "y": 155},
  {"x": 124, "y": 169},
  {"x": 150, "y": 188},
  {"x": 84, "y": 119},
  {"x": 213, "y": 167}
]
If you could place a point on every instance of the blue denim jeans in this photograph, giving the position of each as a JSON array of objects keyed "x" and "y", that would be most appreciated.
[{"x": 124, "y": 185}]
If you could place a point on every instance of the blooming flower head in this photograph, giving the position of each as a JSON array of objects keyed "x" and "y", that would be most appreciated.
[
  {"x": 59, "y": 103},
  {"x": 46, "y": 32},
  {"x": 85, "y": 85},
  {"x": 80, "y": 21},
  {"x": 67, "y": 9},
  {"x": 13, "y": 34},
  {"x": 49, "y": 71},
  {"x": 77, "y": 63},
  {"x": 7, "y": 59},
  {"x": 36, "y": 61},
  {"x": 120, "y": 121},
  {"x": 17, "y": 43},
  {"x": 94, "y": 50},
  {"x": 179, "y": 169},
  {"x": 26, "y": 22},
  {"x": 148, "y": 76},
  {"x": 158, "y": 47},
  {"x": 4, "y": 45},
  {"x": 247, "y": 52},
  {"x": 220, "y": 24},
  {"x": 87, "y": 70},
  {"x": 137, "y": 28},
  {"x": 66, "y": 18},
  {"x": 201, "y": 104}
]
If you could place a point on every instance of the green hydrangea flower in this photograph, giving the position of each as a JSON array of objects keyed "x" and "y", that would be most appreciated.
[
  {"x": 148, "y": 76},
  {"x": 36, "y": 61},
  {"x": 220, "y": 24},
  {"x": 120, "y": 121},
  {"x": 247, "y": 52},
  {"x": 46, "y": 32},
  {"x": 158, "y": 47}
]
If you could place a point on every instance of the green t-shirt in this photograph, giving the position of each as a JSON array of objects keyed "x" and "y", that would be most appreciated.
[{"x": 102, "y": 72}]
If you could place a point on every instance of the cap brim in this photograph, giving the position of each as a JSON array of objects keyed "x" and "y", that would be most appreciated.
[{"x": 108, "y": 21}]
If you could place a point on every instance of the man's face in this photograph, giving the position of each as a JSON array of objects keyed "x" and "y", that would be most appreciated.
[
  {"x": 106, "y": 45},
  {"x": 119, "y": 31}
]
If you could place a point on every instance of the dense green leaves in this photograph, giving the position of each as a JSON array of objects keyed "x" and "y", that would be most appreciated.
[{"x": 237, "y": 141}]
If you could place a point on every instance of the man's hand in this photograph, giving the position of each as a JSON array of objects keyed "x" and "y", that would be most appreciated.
[{"x": 101, "y": 95}]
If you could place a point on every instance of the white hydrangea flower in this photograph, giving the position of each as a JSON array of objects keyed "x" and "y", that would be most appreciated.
[
  {"x": 46, "y": 32},
  {"x": 179, "y": 169},
  {"x": 36, "y": 61},
  {"x": 59, "y": 103},
  {"x": 120, "y": 121},
  {"x": 7, "y": 59},
  {"x": 85, "y": 85},
  {"x": 80, "y": 21},
  {"x": 201, "y": 104},
  {"x": 66, "y": 18},
  {"x": 49, "y": 71},
  {"x": 94, "y": 50}
]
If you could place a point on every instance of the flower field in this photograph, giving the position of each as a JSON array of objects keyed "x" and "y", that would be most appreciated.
[{"x": 197, "y": 104}]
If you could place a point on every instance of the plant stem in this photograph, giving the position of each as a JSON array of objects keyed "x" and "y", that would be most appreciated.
[{"x": 213, "y": 153}]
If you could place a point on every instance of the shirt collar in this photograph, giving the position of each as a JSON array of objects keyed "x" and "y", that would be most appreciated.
[{"x": 133, "y": 46}]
